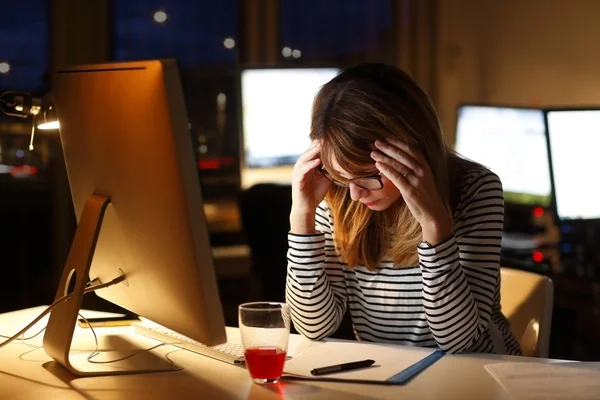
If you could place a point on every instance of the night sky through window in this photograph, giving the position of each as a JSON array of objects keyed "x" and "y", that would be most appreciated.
[
  {"x": 332, "y": 29},
  {"x": 193, "y": 32},
  {"x": 24, "y": 40}
]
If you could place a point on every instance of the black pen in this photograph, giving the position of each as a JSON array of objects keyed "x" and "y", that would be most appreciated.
[{"x": 342, "y": 367}]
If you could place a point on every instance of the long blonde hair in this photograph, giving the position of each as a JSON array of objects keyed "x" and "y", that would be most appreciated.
[{"x": 363, "y": 104}]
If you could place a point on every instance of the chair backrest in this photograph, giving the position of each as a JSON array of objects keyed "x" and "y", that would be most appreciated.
[
  {"x": 265, "y": 211},
  {"x": 265, "y": 214},
  {"x": 526, "y": 299}
]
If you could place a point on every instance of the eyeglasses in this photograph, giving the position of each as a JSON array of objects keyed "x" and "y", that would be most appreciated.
[{"x": 370, "y": 182}]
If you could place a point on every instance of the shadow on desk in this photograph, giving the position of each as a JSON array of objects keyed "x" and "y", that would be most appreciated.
[
  {"x": 165, "y": 385},
  {"x": 299, "y": 390},
  {"x": 162, "y": 385},
  {"x": 17, "y": 377},
  {"x": 65, "y": 376}
]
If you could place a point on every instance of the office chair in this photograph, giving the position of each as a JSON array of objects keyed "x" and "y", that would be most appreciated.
[
  {"x": 265, "y": 211},
  {"x": 526, "y": 299},
  {"x": 265, "y": 214}
]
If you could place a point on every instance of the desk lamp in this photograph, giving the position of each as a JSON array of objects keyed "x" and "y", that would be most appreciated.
[{"x": 23, "y": 105}]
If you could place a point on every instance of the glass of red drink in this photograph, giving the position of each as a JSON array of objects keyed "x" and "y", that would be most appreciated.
[{"x": 265, "y": 330}]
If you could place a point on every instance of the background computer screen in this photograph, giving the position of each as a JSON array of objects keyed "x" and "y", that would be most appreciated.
[
  {"x": 276, "y": 112},
  {"x": 574, "y": 138},
  {"x": 512, "y": 143}
]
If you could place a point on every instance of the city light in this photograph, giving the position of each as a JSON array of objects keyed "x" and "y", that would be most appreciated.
[
  {"x": 221, "y": 99},
  {"x": 286, "y": 52},
  {"x": 229, "y": 43},
  {"x": 160, "y": 16},
  {"x": 4, "y": 67},
  {"x": 296, "y": 53}
]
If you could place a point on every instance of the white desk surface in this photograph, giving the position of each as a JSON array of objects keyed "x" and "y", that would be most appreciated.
[{"x": 36, "y": 376}]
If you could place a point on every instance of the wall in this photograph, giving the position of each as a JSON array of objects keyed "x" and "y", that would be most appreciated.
[{"x": 518, "y": 52}]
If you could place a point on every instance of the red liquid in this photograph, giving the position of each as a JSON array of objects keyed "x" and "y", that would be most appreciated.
[{"x": 265, "y": 362}]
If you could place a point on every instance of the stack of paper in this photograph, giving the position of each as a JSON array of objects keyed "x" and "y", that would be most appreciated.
[{"x": 552, "y": 381}]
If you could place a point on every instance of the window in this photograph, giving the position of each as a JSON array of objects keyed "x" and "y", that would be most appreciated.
[
  {"x": 201, "y": 35},
  {"x": 24, "y": 46},
  {"x": 196, "y": 33},
  {"x": 336, "y": 30}
]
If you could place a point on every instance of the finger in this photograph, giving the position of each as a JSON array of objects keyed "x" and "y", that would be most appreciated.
[
  {"x": 384, "y": 158},
  {"x": 400, "y": 155},
  {"x": 402, "y": 169},
  {"x": 309, "y": 154},
  {"x": 396, "y": 178},
  {"x": 418, "y": 157},
  {"x": 306, "y": 167}
]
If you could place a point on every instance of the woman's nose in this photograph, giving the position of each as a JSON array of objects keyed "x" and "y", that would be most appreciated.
[{"x": 356, "y": 192}]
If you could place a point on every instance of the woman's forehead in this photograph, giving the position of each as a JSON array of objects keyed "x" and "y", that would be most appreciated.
[{"x": 365, "y": 169}]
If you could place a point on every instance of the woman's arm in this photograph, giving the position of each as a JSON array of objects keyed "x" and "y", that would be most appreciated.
[
  {"x": 315, "y": 285},
  {"x": 460, "y": 274}
]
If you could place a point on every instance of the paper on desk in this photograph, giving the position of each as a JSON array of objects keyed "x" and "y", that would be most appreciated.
[
  {"x": 555, "y": 381},
  {"x": 389, "y": 360}
]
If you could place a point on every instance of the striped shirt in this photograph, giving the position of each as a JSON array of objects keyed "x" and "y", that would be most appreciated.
[{"x": 451, "y": 300}]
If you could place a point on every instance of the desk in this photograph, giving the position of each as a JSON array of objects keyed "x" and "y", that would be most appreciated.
[{"x": 36, "y": 376}]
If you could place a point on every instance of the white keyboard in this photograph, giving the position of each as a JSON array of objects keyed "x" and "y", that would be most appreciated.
[
  {"x": 519, "y": 241},
  {"x": 231, "y": 352}
]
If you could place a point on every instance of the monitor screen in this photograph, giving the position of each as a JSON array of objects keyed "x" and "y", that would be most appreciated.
[
  {"x": 574, "y": 137},
  {"x": 512, "y": 143},
  {"x": 276, "y": 112}
]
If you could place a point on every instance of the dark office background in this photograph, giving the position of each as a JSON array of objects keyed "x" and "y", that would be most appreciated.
[{"x": 518, "y": 52}]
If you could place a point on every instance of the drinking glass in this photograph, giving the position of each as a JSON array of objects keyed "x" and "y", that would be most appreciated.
[{"x": 265, "y": 331}]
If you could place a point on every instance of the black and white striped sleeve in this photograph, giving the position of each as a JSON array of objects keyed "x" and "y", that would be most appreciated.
[
  {"x": 461, "y": 274},
  {"x": 315, "y": 285}
]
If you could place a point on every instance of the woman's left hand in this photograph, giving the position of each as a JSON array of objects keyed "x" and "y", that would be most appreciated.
[{"x": 410, "y": 173}]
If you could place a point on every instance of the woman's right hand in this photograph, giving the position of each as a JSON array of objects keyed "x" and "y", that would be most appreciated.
[{"x": 309, "y": 188}]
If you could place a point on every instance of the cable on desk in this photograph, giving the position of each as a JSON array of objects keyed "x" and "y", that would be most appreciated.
[
  {"x": 52, "y": 306},
  {"x": 23, "y": 338},
  {"x": 29, "y": 351},
  {"x": 96, "y": 352},
  {"x": 90, "y": 287}
]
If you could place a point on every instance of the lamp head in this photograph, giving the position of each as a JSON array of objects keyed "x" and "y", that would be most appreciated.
[{"x": 47, "y": 119}]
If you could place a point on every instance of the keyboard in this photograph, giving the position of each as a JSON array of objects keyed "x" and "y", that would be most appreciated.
[
  {"x": 519, "y": 241},
  {"x": 230, "y": 352}
]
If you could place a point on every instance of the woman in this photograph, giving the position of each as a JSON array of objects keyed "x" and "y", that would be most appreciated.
[{"x": 387, "y": 221}]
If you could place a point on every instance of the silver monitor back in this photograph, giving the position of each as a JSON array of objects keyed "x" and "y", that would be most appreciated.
[{"x": 125, "y": 135}]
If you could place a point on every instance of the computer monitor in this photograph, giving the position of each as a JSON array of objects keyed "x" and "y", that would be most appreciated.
[
  {"x": 573, "y": 140},
  {"x": 276, "y": 112},
  {"x": 511, "y": 142},
  {"x": 135, "y": 188}
]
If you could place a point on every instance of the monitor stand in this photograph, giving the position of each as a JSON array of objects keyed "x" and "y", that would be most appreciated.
[{"x": 61, "y": 324}]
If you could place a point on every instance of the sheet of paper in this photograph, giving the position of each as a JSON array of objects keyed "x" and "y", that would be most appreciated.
[
  {"x": 389, "y": 360},
  {"x": 555, "y": 381}
]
